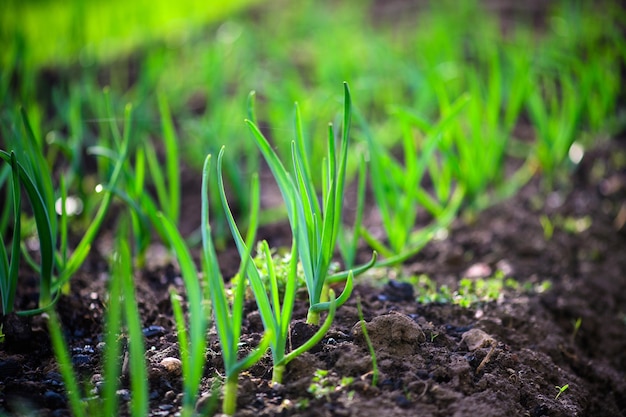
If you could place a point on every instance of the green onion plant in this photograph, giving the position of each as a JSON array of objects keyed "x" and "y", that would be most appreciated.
[
  {"x": 122, "y": 309},
  {"x": 30, "y": 169},
  {"x": 229, "y": 316},
  {"x": 399, "y": 189},
  {"x": 556, "y": 117},
  {"x": 193, "y": 341},
  {"x": 275, "y": 314},
  {"x": 316, "y": 225}
]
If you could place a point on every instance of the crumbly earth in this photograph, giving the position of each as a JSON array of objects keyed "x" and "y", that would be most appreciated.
[{"x": 502, "y": 357}]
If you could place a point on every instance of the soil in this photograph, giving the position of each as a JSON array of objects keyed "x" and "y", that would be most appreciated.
[{"x": 502, "y": 357}]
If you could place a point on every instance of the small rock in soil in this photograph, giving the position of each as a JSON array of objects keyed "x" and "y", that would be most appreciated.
[
  {"x": 396, "y": 291},
  {"x": 169, "y": 396},
  {"x": 54, "y": 379},
  {"x": 9, "y": 368},
  {"x": 152, "y": 331},
  {"x": 402, "y": 401},
  {"x": 123, "y": 394},
  {"x": 172, "y": 365},
  {"x": 81, "y": 359},
  {"x": 478, "y": 270},
  {"x": 476, "y": 339},
  {"x": 53, "y": 399}
]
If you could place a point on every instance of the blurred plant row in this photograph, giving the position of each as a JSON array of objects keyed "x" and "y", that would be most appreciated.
[{"x": 449, "y": 116}]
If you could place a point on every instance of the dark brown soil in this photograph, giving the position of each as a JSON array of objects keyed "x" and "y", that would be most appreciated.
[{"x": 503, "y": 357}]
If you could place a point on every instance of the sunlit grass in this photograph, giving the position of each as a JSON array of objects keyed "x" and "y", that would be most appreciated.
[{"x": 54, "y": 32}]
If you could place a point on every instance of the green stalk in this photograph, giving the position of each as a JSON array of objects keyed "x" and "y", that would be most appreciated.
[
  {"x": 111, "y": 366},
  {"x": 42, "y": 219},
  {"x": 397, "y": 185},
  {"x": 229, "y": 405},
  {"x": 138, "y": 372},
  {"x": 82, "y": 250},
  {"x": 9, "y": 270},
  {"x": 65, "y": 366},
  {"x": 197, "y": 314},
  {"x": 316, "y": 225},
  {"x": 228, "y": 318},
  {"x": 276, "y": 316},
  {"x": 370, "y": 346},
  {"x": 349, "y": 241},
  {"x": 171, "y": 161}
]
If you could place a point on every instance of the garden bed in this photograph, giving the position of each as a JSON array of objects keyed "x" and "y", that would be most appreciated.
[
  {"x": 492, "y": 200},
  {"x": 493, "y": 358}
]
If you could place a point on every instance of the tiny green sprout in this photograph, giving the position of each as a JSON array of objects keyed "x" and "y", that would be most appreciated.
[
  {"x": 370, "y": 346},
  {"x": 547, "y": 225},
  {"x": 302, "y": 404},
  {"x": 433, "y": 336},
  {"x": 561, "y": 390},
  {"x": 281, "y": 260},
  {"x": 322, "y": 384},
  {"x": 576, "y": 225},
  {"x": 577, "y": 323}
]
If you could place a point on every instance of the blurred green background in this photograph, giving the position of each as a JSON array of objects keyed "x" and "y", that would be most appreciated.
[{"x": 58, "y": 32}]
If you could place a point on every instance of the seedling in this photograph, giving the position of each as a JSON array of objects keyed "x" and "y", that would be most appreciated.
[
  {"x": 281, "y": 260},
  {"x": 322, "y": 386},
  {"x": 577, "y": 324},
  {"x": 276, "y": 315},
  {"x": 316, "y": 226},
  {"x": 368, "y": 341},
  {"x": 229, "y": 316},
  {"x": 121, "y": 304},
  {"x": 193, "y": 340},
  {"x": 33, "y": 173},
  {"x": 399, "y": 191},
  {"x": 547, "y": 225},
  {"x": 561, "y": 390}
]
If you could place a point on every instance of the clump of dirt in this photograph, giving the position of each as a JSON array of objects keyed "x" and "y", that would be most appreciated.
[{"x": 391, "y": 334}]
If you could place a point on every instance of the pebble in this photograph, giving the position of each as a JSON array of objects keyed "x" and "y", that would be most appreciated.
[
  {"x": 396, "y": 291},
  {"x": 9, "y": 368},
  {"x": 169, "y": 396},
  {"x": 402, "y": 401},
  {"x": 172, "y": 365},
  {"x": 202, "y": 403},
  {"x": 476, "y": 339},
  {"x": 123, "y": 394},
  {"x": 81, "y": 359},
  {"x": 506, "y": 267},
  {"x": 152, "y": 331},
  {"x": 53, "y": 399},
  {"x": 54, "y": 376},
  {"x": 478, "y": 270}
]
